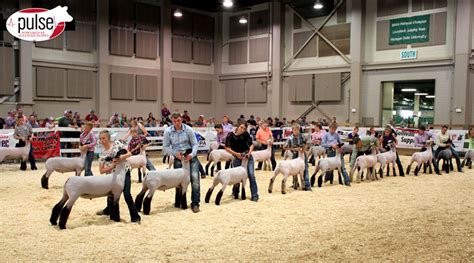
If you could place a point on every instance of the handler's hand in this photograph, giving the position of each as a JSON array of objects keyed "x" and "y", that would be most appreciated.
[
  {"x": 179, "y": 156},
  {"x": 188, "y": 157}
]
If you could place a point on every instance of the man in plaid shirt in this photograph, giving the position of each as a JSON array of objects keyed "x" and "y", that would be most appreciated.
[
  {"x": 177, "y": 139},
  {"x": 136, "y": 143}
]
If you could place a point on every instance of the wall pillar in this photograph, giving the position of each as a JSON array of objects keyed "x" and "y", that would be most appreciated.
[{"x": 356, "y": 52}]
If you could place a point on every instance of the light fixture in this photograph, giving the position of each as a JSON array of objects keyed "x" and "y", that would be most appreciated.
[
  {"x": 430, "y": 97},
  {"x": 421, "y": 94},
  {"x": 394, "y": 112},
  {"x": 228, "y": 3},
  {"x": 409, "y": 90},
  {"x": 419, "y": 114},
  {"x": 458, "y": 110},
  {"x": 243, "y": 20},
  {"x": 353, "y": 110},
  {"x": 177, "y": 13},
  {"x": 318, "y": 5}
]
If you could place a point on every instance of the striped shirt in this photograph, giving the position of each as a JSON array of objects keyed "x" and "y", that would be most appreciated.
[
  {"x": 90, "y": 139},
  {"x": 180, "y": 140}
]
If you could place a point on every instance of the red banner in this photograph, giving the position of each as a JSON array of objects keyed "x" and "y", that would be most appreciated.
[{"x": 47, "y": 146}]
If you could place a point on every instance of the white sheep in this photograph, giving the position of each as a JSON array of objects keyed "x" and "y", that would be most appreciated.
[
  {"x": 387, "y": 158},
  {"x": 88, "y": 187},
  {"x": 292, "y": 167},
  {"x": 264, "y": 156},
  {"x": 326, "y": 165},
  {"x": 164, "y": 180},
  {"x": 227, "y": 177},
  {"x": 215, "y": 156},
  {"x": 16, "y": 153},
  {"x": 316, "y": 151},
  {"x": 420, "y": 158},
  {"x": 468, "y": 157},
  {"x": 63, "y": 165},
  {"x": 365, "y": 162},
  {"x": 138, "y": 162}
]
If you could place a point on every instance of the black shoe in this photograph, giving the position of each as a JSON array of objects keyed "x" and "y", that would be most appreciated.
[
  {"x": 195, "y": 208},
  {"x": 254, "y": 199},
  {"x": 258, "y": 169},
  {"x": 136, "y": 220},
  {"x": 103, "y": 213},
  {"x": 438, "y": 173},
  {"x": 34, "y": 168}
]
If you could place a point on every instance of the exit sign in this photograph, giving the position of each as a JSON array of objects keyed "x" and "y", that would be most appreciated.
[{"x": 408, "y": 54}]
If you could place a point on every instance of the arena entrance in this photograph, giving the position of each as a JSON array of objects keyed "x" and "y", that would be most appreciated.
[{"x": 408, "y": 103}]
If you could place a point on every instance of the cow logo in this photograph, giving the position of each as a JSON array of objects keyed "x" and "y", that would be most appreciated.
[{"x": 38, "y": 24}]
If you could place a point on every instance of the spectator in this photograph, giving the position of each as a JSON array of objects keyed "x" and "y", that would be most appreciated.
[
  {"x": 92, "y": 117},
  {"x": 114, "y": 119},
  {"x": 165, "y": 113},
  {"x": 88, "y": 141},
  {"x": 278, "y": 123},
  {"x": 123, "y": 120},
  {"x": 241, "y": 119},
  {"x": 10, "y": 122},
  {"x": 32, "y": 122},
  {"x": 470, "y": 137},
  {"x": 150, "y": 116},
  {"x": 270, "y": 122},
  {"x": 67, "y": 122},
  {"x": 373, "y": 133},
  {"x": 257, "y": 120},
  {"x": 19, "y": 114},
  {"x": 285, "y": 123},
  {"x": 211, "y": 122},
  {"x": 186, "y": 118},
  {"x": 22, "y": 133},
  {"x": 264, "y": 135},
  {"x": 151, "y": 123},
  {"x": 353, "y": 134},
  {"x": 49, "y": 123},
  {"x": 318, "y": 134},
  {"x": 135, "y": 125},
  {"x": 251, "y": 121},
  {"x": 226, "y": 125},
  {"x": 200, "y": 122},
  {"x": 334, "y": 120},
  {"x": 77, "y": 119},
  {"x": 303, "y": 122}
]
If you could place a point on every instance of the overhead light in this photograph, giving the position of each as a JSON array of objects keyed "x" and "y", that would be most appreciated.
[
  {"x": 409, "y": 90},
  {"x": 419, "y": 114},
  {"x": 394, "y": 112},
  {"x": 243, "y": 20},
  {"x": 405, "y": 99},
  {"x": 177, "y": 13},
  {"x": 430, "y": 97},
  {"x": 421, "y": 94},
  {"x": 318, "y": 5},
  {"x": 228, "y": 3}
]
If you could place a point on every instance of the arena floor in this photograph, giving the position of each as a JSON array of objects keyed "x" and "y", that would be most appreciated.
[{"x": 428, "y": 217}]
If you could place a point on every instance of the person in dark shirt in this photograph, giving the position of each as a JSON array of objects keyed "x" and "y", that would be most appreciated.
[
  {"x": 2, "y": 123},
  {"x": 67, "y": 121},
  {"x": 240, "y": 145}
]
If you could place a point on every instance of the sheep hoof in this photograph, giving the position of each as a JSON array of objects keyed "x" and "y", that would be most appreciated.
[
  {"x": 44, "y": 182},
  {"x": 208, "y": 196},
  {"x": 313, "y": 179},
  {"x": 218, "y": 197}
]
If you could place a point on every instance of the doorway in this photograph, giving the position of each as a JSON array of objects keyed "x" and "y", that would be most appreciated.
[{"x": 408, "y": 103}]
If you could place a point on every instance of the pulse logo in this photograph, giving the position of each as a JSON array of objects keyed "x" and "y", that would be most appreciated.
[{"x": 38, "y": 24}]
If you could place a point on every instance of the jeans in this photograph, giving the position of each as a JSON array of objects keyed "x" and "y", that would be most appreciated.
[
  {"x": 31, "y": 157},
  {"x": 149, "y": 165},
  {"x": 134, "y": 216},
  {"x": 455, "y": 155},
  {"x": 88, "y": 163},
  {"x": 272, "y": 158},
  {"x": 251, "y": 176},
  {"x": 195, "y": 183},
  {"x": 306, "y": 175},
  {"x": 332, "y": 153}
]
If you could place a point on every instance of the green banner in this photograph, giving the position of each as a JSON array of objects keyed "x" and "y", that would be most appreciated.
[{"x": 409, "y": 30}]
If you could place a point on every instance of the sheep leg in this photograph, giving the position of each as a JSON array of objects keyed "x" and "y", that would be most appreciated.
[
  {"x": 320, "y": 178},
  {"x": 211, "y": 189},
  {"x": 388, "y": 169},
  {"x": 409, "y": 167},
  {"x": 147, "y": 202},
  {"x": 417, "y": 169},
  {"x": 301, "y": 175},
  {"x": 115, "y": 212},
  {"x": 393, "y": 169},
  {"x": 139, "y": 198},
  {"x": 221, "y": 192},
  {"x": 339, "y": 173},
  {"x": 272, "y": 180},
  {"x": 177, "y": 198},
  {"x": 45, "y": 179},
  {"x": 244, "y": 196},
  {"x": 469, "y": 163},
  {"x": 381, "y": 168},
  {"x": 425, "y": 167},
  {"x": 212, "y": 170},
  {"x": 184, "y": 201},
  {"x": 139, "y": 174},
  {"x": 429, "y": 167},
  {"x": 57, "y": 209},
  {"x": 207, "y": 167},
  {"x": 65, "y": 212},
  {"x": 451, "y": 164},
  {"x": 283, "y": 184}
]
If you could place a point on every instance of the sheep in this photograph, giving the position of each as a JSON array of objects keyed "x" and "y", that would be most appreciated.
[
  {"x": 387, "y": 158},
  {"x": 63, "y": 165},
  {"x": 264, "y": 156},
  {"x": 110, "y": 185},
  {"x": 468, "y": 159},
  {"x": 216, "y": 156},
  {"x": 326, "y": 165},
  {"x": 446, "y": 156},
  {"x": 315, "y": 152},
  {"x": 420, "y": 158},
  {"x": 16, "y": 153},
  {"x": 164, "y": 180},
  {"x": 363, "y": 162},
  {"x": 138, "y": 162},
  {"x": 227, "y": 177},
  {"x": 292, "y": 167}
]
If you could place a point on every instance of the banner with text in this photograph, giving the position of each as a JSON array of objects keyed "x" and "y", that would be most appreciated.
[
  {"x": 409, "y": 30},
  {"x": 47, "y": 146}
]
